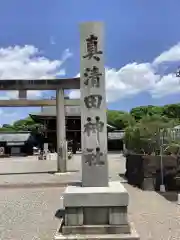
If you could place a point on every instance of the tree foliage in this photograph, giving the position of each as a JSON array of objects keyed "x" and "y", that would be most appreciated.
[
  {"x": 26, "y": 124},
  {"x": 145, "y": 119},
  {"x": 150, "y": 133},
  {"x": 119, "y": 119},
  {"x": 169, "y": 111}
]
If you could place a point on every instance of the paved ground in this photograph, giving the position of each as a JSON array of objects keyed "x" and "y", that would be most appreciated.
[
  {"x": 45, "y": 179},
  {"x": 42, "y": 179},
  {"x": 27, "y": 165},
  {"x": 29, "y": 214}
]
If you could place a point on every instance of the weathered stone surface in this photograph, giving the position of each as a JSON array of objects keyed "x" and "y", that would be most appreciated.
[
  {"x": 118, "y": 215},
  {"x": 114, "y": 195},
  {"x": 102, "y": 232},
  {"x": 93, "y": 106},
  {"x": 74, "y": 217},
  {"x": 96, "y": 229},
  {"x": 96, "y": 215}
]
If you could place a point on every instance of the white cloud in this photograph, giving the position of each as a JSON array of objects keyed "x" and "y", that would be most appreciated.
[
  {"x": 135, "y": 78},
  {"x": 129, "y": 80},
  {"x": 27, "y": 62},
  {"x": 33, "y": 94},
  {"x": 74, "y": 94},
  {"x": 8, "y": 116},
  {"x": 167, "y": 85},
  {"x": 170, "y": 55},
  {"x": 52, "y": 41}
]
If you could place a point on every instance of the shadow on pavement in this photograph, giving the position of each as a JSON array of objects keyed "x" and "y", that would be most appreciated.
[
  {"x": 38, "y": 185},
  {"x": 78, "y": 184},
  {"x": 60, "y": 213},
  {"x": 68, "y": 171},
  {"x": 122, "y": 175},
  {"x": 170, "y": 196}
]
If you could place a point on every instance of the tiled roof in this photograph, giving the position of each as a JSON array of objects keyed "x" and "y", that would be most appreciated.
[{"x": 14, "y": 137}]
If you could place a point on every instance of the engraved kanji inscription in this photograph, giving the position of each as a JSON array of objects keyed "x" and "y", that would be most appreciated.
[
  {"x": 93, "y": 101},
  {"x": 99, "y": 127},
  {"x": 92, "y": 77},
  {"x": 93, "y": 127},
  {"x": 92, "y": 48},
  {"x": 93, "y": 158}
]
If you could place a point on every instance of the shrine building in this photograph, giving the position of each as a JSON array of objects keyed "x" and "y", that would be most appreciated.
[{"x": 47, "y": 117}]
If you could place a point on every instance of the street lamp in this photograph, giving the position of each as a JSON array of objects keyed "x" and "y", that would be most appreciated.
[
  {"x": 162, "y": 150},
  {"x": 162, "y": 145}
]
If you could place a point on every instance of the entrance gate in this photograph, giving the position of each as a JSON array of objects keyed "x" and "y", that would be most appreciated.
[{"x": 59, "y": 85}]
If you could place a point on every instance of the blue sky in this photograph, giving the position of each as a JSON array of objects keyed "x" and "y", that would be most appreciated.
[{"x": 142, "y": 50}]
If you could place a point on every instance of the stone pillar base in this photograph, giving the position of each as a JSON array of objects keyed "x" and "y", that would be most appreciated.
[{"x": 96, "y": 213}]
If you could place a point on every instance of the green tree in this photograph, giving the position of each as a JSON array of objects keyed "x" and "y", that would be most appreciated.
[
  {"x": 140, "y": 112},
  {"x": 172, "y": 111},
  {"x": 120, "y": 119},
  {"x": 146, "y": 133}
]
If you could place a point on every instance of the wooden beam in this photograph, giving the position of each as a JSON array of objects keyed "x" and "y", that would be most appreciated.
[{"x": 36, "y": 103}]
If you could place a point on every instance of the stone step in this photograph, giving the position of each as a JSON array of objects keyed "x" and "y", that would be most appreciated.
[
  {"x": 88, "y": 236},
  {"x": 96, "y": 229}
]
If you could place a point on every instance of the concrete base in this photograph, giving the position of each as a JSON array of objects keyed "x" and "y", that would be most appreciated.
[
  {"x": 96, "y": 232},
  {"x": 96, "y": 213},
  {"x": 113, "y": 195},
  {"x": 62, "y": 173}
]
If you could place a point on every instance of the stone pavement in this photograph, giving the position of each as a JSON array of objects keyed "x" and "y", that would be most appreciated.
[
  {"x": 29, "y": 203},
  {"x": 29, "y": 214},
  {"x": 32, "y": 213},
  {"x": 30, "y": 164},
  {"x": 116, "y": 164}
]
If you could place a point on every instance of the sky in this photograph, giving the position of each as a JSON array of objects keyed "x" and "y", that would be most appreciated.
[{"x": 40, "y": 39}]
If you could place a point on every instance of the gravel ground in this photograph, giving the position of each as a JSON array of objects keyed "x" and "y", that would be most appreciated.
[
  {"x": 155, "y": 218},
  {"x": 29, "y": 214}
]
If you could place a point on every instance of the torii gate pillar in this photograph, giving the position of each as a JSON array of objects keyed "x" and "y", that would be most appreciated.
[{"x": 61, "y": 131}]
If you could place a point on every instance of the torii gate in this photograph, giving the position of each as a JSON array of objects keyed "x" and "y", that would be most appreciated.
[{"x": 59, "y": 85}]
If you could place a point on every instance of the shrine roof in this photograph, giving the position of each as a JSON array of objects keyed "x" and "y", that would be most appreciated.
[
  {"x": 50, "y": 113},
  {"x": 14, "y": 136}
]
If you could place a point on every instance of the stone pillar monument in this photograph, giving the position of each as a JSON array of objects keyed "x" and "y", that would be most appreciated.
[
  {"x": 61, "y": 131},
  {"x": 93, "y": 107},
  {"x": 97, "y": 209}
]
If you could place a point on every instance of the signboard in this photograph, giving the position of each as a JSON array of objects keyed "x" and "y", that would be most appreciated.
[
  {"x": 115, "y": 135},
  {"x": 15, "y": 143}
]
